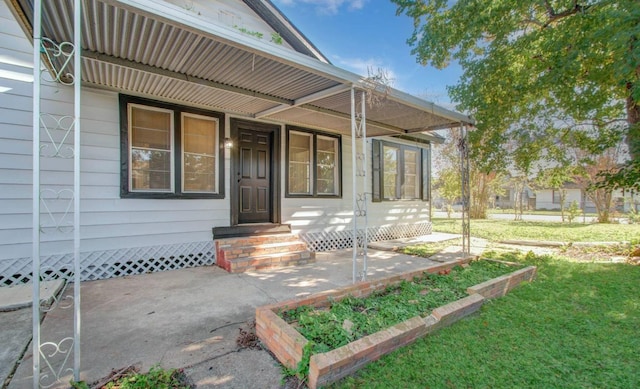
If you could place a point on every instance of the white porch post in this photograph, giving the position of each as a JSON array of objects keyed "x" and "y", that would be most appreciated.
[
  {"x": 465, "y": 189},
  {"x": 77, "y": 83},
  {"x": 359, "y": 179},
  {"x": 35, "y": 237},
  {"x": 51, "y": 359}
]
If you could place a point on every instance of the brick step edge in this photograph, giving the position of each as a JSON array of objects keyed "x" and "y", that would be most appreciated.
[
  {"x": 254, "y": 251},
  {"x": 255, "y": 240},
  {"x": 240, "y": 265}
]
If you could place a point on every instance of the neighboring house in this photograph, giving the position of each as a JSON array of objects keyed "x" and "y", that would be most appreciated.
[
  {"x": 219, "y": 114},
  {"x": 550, "y": 199},
  {"x": 509, "y": 198}
]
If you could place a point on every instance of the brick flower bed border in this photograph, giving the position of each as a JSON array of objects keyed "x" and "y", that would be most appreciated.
[{"x": 286, "y": 343}]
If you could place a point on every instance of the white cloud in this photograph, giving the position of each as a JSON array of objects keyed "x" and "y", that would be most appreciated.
[
  {"x": 366, "y": 67},
  {"x": 328, "y": 6}
]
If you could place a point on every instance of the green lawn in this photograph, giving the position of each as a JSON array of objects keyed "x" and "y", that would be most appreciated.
[
  {"x": 497, "y": 230},
  {"x": 492, "y": 211},
  {"x": 576, "y": 326}
]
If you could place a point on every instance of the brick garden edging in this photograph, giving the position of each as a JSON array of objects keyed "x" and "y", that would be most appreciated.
[{"x": 288, "y": 345}]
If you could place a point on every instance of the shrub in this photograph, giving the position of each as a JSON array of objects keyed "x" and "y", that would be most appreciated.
[{"x": 573, "y": 211}]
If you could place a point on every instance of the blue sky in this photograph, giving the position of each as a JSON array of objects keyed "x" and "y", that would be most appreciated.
[{"x": 359, "y": 34}]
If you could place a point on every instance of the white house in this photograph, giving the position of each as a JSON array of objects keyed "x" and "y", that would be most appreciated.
[
  {"x": 551, "y": 199},
  {"x": 195, "y": 116}
]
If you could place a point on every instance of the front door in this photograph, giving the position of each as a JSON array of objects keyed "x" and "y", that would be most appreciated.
[{"x": 253, "y": 175}]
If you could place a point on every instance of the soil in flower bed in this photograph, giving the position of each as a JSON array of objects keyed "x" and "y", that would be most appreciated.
[{"x": 353, "y": 318}]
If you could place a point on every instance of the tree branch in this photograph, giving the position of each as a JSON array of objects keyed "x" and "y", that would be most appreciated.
[{"x": 554, "y": 16}]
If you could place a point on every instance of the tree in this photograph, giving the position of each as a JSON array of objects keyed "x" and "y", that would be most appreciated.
[
  {"x": 536, "y": 65},
  {"x": 448, "y": 186},
  {"x": 588, "y": 175},
  {"x": 483, "y": 186},
  {"x": 526, "y": 152},
  {"x": 485, "y": 180},
  {"x": 556, "y": 178}
]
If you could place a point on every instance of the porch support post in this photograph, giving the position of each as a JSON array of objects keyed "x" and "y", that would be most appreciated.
[
  {"x": 359, "y": 180},
  {"x": 355, "y": 189},
  {"x": 52, "y": 358},
  {"x": 35, "y": 211},
  {"x": 465, "y": 189},
  {"x": 77, "y": 83}
]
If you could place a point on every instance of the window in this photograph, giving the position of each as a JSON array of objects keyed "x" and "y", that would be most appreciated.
[
  {"x": 313, "y": 164},
  {"x": 400, "y": 172},
  {"x": 151, "y": 140},
  {"x": 557, "y": 197},
  {"x": 170, "y": 151},
  {"x": 199, "y": 153}
]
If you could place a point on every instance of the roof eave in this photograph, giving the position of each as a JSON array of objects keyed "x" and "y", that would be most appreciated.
[{"x": 175, "y": 15}]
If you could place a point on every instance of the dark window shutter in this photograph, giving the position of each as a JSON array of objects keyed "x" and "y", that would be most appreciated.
[
  {"x": 376, "y": 193},
  {"x": 426, "y": 174}
]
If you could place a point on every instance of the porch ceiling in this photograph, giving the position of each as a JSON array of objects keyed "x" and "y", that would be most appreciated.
[{"x": 158, "y": 50}]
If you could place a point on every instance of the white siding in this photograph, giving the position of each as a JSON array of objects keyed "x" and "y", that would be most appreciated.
[
  {"x": 107, "y": 221},
  {"x": 232, "y": 14},
  {"x": 544, "y": 199}
]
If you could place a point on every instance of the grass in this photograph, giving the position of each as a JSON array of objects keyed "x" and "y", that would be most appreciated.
[
  {"x": 492, "y": 211},
  {"x": 353, "y": 318},
  {"x": 496, "y": 230},
  {"x": 576, "y": 326},
  {"x": 426, "y": 250}
]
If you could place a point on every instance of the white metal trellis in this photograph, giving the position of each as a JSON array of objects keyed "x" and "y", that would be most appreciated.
[
  {"x": 54, "y": 356},
  {"x": 465, "y": 189},
  {"x": 359, "y": 175}
]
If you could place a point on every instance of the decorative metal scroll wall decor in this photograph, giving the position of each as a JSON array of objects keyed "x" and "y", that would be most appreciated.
[{"x": 56, "y": 203}]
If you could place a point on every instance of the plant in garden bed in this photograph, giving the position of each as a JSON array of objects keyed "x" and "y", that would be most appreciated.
[
  {"x": 352, "y": 318},
  {"x": 131, "y": 378}
]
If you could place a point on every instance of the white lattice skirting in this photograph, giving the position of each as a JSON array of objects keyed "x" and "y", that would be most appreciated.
[
  {"x": 111, "y": 263},
  {"x": 98, "y": 265},
  {"x": 327, "y": 241}
]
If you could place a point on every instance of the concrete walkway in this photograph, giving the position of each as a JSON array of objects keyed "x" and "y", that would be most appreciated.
[{"x": 187, "y": 318}]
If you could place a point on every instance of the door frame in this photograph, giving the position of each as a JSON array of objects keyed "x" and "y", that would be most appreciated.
[{"x": 274, "y": 130}]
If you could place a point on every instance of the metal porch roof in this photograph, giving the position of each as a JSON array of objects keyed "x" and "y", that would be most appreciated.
[{"x": 158, "y": 50}]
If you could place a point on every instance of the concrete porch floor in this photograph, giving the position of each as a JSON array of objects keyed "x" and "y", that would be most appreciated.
[{"x": 188, "y": 318}]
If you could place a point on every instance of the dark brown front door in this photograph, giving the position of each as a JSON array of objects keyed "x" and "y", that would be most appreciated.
[{"x": 253, "y": 172}]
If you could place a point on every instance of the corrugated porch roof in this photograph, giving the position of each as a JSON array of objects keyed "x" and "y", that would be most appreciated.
[{"x": 159, "y": 50}]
